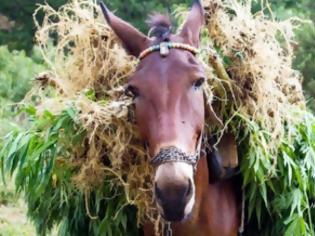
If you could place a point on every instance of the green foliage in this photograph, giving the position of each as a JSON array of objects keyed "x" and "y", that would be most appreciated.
[
  {"x": 137, "y": 11},
  {"x": 305, "y": 53},
  {"x": 21, "y": 36},
  {"x": 40, "y": 160},
  {"x": 7, "y": 120},
  {"x": 10, "y": 205},
  {"x": 305, "y": 61},
  {"x": 10, "y": 229},
  {"x": 7, "y": 195},
  {"x": 280, "y": 189},
  {"x": 16, "y": 72}
]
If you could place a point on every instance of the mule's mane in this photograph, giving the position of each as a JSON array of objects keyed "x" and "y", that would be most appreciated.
[{"x": 160, "y": 25}]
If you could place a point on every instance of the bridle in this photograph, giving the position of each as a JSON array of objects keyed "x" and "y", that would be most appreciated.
[
  {"x": 164, "y": 48},
  {"x": 173, "y": 154}
]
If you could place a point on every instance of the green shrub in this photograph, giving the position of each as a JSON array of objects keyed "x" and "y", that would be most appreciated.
[
  {"x": 305, "y": 61},
  {"x": 40, "y": 160},
  {"x": 305, "y": 50},
  {"x": 21, "y": 35},
  {"x": 16, "y": 72},
  {"x": 280, "y": 202}
]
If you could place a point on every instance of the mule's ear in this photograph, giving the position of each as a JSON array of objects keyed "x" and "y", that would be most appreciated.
[
  {"x": 133, "y": 40},
  {"x": 194, "y": 22}
]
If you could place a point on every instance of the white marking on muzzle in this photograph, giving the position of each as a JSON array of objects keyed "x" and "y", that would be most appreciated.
[
  {"x": 191, "y": 203},
  {"x": 177, "y": 171}
]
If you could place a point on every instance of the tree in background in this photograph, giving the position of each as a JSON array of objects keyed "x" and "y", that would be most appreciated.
[
  {"x": 305, "y": 54},
  {"x": 20, "y": 15}
]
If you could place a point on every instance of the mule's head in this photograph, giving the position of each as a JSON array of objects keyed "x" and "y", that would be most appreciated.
[{"x": 169, "y": 105}]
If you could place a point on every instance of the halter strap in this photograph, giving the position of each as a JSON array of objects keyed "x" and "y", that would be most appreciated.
[{"x": 165, "y": 47}]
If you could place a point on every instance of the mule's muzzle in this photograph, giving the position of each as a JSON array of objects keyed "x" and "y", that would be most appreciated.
[
  {"x": 174, "y": 183},
  {"x": 173, "y": 200}
]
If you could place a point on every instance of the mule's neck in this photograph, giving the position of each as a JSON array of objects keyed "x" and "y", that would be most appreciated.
[
  {"x": 201, "y": 183},
  {"x": 215, "y": 211}
]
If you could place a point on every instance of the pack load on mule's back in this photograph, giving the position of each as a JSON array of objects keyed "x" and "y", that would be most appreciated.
[{"x": 83, "y": 145}]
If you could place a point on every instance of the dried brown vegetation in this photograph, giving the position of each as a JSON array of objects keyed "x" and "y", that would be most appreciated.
[{"x": 89, "y": 68}]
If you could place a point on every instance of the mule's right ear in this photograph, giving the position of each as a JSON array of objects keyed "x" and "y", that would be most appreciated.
[{"x": 133, "y": 40}]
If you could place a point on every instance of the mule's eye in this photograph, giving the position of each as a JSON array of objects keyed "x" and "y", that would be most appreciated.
[
  {"x": 199, "y": 83},
  {"x": 132, "y": 91}
]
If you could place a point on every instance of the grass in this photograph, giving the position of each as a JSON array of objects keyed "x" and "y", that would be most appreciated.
[
  {"x": 13, "y": 219},
  {"x": 13, "y": 214}
]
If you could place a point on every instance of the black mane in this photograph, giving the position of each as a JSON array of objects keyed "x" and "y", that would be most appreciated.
[{"x": 160, "y": 25}]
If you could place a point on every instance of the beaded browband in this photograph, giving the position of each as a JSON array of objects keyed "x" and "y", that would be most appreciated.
[{"x": 165, "y": 47}]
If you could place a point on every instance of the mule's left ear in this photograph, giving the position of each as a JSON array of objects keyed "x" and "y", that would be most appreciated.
[
  {"x": 133, "y": 40},
  {"x": 192, "y": 27}
]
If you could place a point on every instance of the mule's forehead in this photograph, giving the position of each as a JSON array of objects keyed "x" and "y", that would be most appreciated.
[{"x": 179, "y": 63}]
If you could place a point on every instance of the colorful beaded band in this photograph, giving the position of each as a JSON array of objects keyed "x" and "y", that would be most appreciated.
[{"x": 165, "y": 47}]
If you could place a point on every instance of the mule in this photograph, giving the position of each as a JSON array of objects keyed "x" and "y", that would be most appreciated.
[{"x": 170, "y": 114}]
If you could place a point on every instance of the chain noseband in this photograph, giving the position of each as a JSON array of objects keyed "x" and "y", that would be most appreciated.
[{"x": 174, "y": 154}]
